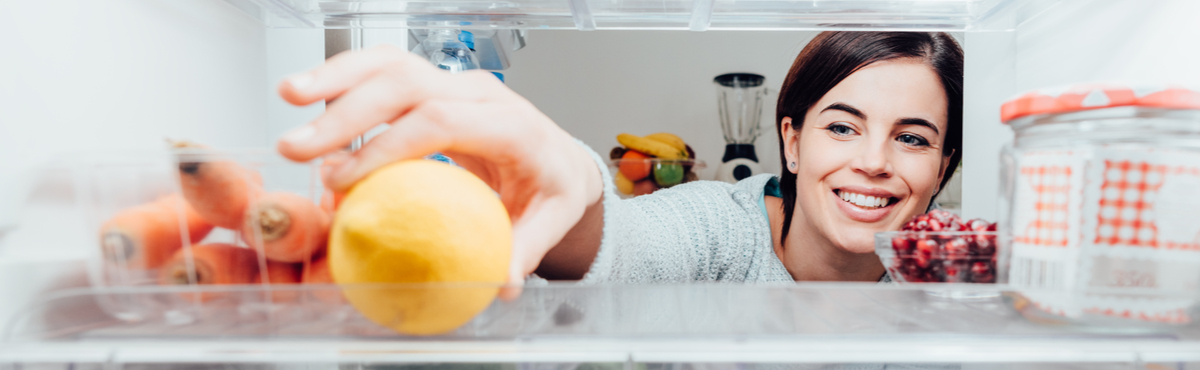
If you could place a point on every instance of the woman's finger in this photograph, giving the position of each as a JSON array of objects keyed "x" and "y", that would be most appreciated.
[
  {"x": 415, "y": 135},
  {"x": 383, "y": 98},
  {"x": 380, "y": 99},
  {"x": 347, "y": 69},
  {"x": 476, "y": 129}
]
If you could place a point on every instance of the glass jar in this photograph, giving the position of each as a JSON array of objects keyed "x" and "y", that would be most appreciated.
[{"x": 1100, "y": 203}]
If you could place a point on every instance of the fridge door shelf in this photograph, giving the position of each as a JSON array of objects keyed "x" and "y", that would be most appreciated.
[
  {"x": 726, "y": 323},
  {"x": 695, "y": 15}
]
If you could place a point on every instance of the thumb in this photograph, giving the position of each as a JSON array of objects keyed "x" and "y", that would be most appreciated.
[{"x": 540, "y": 227}]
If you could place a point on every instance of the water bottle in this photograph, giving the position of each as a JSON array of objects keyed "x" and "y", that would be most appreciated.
[{"x": 447, "y": 52}]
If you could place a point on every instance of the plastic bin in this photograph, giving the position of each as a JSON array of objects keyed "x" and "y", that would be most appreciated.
[{"x": 112, "y": 186}]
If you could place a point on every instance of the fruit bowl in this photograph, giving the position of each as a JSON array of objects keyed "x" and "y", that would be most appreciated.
[{"x": 939, "y": 256}]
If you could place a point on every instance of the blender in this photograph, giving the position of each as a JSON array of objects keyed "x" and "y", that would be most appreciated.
[{"x": 739, "y": 104}]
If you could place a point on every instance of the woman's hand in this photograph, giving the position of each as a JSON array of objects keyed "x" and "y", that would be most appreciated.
[{"x": 544, "y": 178}]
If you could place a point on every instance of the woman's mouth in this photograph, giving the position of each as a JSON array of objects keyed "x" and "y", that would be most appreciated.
[
  {"x": 865, "y": 201},
  {"x": 865, "y": 205}
]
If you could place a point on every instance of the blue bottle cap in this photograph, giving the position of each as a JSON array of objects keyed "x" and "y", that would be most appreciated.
[
  {"x": 467, "y": 38},
  {"x": 499, "y": 75}
]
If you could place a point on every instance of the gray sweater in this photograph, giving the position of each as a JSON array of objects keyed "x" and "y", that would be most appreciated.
[{"x": 702, "y": 231}]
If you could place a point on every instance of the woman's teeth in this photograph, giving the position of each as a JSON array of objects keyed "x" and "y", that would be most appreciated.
[{"x": 865, "y": 201}]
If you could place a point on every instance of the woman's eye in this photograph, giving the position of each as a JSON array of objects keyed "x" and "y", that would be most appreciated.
[
  {"x": 840, "y": 129},
  {"x": 913, "y": 140}
]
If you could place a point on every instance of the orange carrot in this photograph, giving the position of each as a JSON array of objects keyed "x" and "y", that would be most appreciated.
[
  {"x": 317, "y": 272},
  {"x": 283, "y": 277},
  {"x": 213, "y": 264},
  {"x": 290, "y": 227},
  {"x": 144, "y": 236},
  {"x": 218, "y": 190}
]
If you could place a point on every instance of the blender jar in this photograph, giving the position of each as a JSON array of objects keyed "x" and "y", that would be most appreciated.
[
  {"x": 1100, "y": 190},
  {"x": 739, "y": 104}
]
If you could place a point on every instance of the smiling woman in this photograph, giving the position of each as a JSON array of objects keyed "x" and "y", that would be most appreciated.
[{"x": 868, "y": 125}]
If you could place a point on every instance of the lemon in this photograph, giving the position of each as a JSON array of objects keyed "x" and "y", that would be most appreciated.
[{"x": 436, "y": 233}]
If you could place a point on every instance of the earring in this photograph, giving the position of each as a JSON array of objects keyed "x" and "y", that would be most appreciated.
[{"x": 792, "y": 165}]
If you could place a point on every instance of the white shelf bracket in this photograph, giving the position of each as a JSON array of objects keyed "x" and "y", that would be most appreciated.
[
  {"x": 701, "y": 15},
  {"x": 582, "y": 15}
]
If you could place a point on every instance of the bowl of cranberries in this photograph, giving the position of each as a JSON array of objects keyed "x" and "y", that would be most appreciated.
[{"x": 940, "y": 247}]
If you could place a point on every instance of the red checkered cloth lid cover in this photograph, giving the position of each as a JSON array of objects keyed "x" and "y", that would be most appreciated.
[{"x": 1073, "y": 98}]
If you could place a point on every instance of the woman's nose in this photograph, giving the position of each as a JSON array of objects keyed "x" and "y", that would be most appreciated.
[{"x": 873, "y": 160}]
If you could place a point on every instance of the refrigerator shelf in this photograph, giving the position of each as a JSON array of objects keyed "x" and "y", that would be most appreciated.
[
  {"x": 567, "y": 323},
  {"x": 695, "y": 15}
]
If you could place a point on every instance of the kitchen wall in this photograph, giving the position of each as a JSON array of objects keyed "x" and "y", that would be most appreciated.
[{"x": 599, "y": 84}]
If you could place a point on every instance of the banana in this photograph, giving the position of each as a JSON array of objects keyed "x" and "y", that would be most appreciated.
[
  {"x": 669, "y": 139},
  {"x": 652, "y": 147}
]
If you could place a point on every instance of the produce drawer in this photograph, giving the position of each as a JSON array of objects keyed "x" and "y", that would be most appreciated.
[{"x": 750, "y": 326}]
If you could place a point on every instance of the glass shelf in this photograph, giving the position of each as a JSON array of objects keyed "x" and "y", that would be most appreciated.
[
  {"x": 562, "y": 323},
  {"x": 695, "y": 15}
]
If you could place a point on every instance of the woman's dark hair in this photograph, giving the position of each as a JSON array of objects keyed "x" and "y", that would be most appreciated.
[{"x": 832, "y": 56}]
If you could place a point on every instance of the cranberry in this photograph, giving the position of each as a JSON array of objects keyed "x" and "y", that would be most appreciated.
[
  {"x": 958, "y": 271},
  {"x": 958, "y": 246},
  {"x": 921, "y": 225},
  {"x": 991, "y": 227},
  {"x": 927, "y": 246},
  {"x": 935, "y": 225},
  {"x": 943, "y": 216},
  {"x": 956, "y": 226},
  {"x": 979, "y": 269},
  {"x": 937, "y": 271},
  {"x": 978, "y": 225},
  {"x": 902, "y": 245}
]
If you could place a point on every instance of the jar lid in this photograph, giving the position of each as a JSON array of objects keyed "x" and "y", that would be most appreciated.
[{"x": 1073, "y": 98}]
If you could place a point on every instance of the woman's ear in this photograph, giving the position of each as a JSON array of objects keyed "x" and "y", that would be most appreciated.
[
  {"x": 791, "y": 145},
  {"x": 942, "y": 169}
]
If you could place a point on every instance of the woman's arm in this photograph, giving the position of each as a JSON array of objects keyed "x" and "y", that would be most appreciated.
[{"x": 549, "y": 183}]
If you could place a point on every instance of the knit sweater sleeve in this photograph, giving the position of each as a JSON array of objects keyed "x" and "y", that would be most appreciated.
[{"x": 699, "y": 231}]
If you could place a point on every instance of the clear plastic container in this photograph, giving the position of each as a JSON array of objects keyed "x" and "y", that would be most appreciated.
[
  {"x": 1100, "y": 190},
  {"x": 148, "y": 232},
  {"x": 940, "y": 257}
]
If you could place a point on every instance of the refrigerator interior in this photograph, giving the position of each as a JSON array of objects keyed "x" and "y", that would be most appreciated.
[{"x": 125, "y": 74}]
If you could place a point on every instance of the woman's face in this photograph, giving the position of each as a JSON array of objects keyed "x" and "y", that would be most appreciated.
[{"x": 869, "y": 153}]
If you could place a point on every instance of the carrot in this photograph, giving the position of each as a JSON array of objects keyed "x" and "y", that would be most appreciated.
[
  {"x": 218, "y": 190},
  {"x": 290, "y": 227},
  {"x": 317, "y": 272},
  {"x": 282, "y": 276},
  {"x": 144, "y": 236},
  {"x": 214, "y": 264}
]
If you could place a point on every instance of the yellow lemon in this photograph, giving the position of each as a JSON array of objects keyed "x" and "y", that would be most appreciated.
[{"x": 435, "y": 233}]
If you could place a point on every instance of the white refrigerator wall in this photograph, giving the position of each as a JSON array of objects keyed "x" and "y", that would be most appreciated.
[
  {"x": 83, "y": 75},
  {"x": 79, "y": 75},
  {"x": 1075, "y": 41}
]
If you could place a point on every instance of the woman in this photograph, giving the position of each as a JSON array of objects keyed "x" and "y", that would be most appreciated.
[{"x": 868, "y": 125}]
